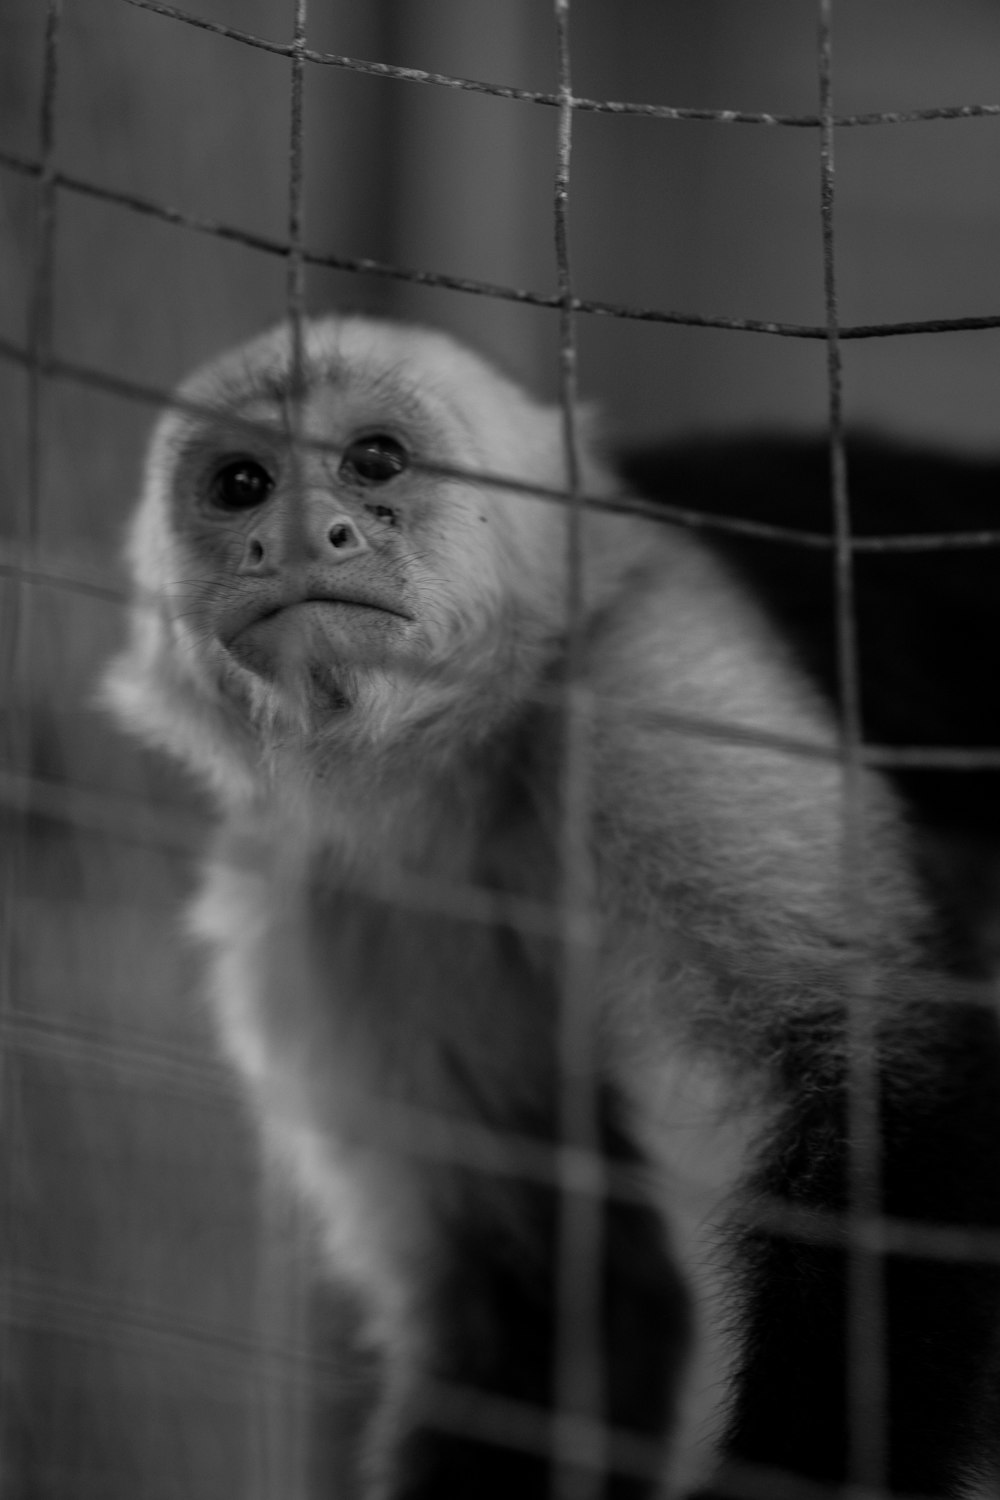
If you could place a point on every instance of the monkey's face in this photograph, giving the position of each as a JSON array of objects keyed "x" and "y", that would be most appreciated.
[
  {"x": 301, "y": 586},
  {"x": 315, "y": 568}
]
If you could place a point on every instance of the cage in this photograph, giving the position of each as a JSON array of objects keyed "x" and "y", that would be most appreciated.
[{"x": 634, "y": 202}]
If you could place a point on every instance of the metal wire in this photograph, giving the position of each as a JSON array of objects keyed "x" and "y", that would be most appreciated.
[
  {"x": 867, "y": 1408},
  {"x": 91, "y": 378},
  {"x": 279, "y": 1439},
  {"x": 580, "y": 1444},
  {"x": 557, "y": 100},
  {"x": 365, "y": 266},
  {"x": 14, "y": 617}
]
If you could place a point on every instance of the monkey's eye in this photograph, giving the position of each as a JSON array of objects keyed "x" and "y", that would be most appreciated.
[
  {"x": 374, "y": 460},
  {"x": 240, "y": 484}
]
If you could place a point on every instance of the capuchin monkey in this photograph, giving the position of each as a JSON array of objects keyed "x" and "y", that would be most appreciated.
[{"x": 476, "y": 858}]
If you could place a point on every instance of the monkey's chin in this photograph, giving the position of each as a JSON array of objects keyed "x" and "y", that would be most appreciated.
[
  {"x": 309, "y": 641},
  {"x": 307, "y": 664}
]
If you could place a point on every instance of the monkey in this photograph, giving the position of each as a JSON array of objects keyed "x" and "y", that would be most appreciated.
[{"x": 554, "y": 936}]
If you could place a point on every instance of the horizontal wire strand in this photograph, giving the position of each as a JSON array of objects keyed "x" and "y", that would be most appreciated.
[
  {"x": 473, "y": 286},
  {"x": 90, "y": 377},
  {"x": 554, "y": 100}
]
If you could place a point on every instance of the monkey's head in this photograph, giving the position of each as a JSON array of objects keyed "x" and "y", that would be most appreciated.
[{"x": 316, "y": 577}]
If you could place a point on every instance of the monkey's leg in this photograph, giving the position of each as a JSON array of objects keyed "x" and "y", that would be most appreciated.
[{"x": 484, "y": 1428}]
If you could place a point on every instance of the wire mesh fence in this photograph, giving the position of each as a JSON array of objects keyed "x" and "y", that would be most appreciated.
[{"x": 95, "y": 1108}]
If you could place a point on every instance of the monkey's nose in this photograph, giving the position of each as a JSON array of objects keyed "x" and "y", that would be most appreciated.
[
  {"x": 343, "y": 539},
  {"x": 277, "y": 543}
]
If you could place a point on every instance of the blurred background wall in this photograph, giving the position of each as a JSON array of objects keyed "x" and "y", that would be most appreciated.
[{"x": 156, "y": 1303}]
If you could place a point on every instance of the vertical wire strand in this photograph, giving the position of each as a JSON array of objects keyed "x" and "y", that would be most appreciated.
[
  {"x": 43, "y": 291},
  {"x": 27, "y": 517},
  {"x": 284, "y": 1439},
  {"x": 295, "y": 277},
  {"x": 866, "y": 1375},
  {"x": 14, "y": 646},
  {"x": 579, "y": 1436}
]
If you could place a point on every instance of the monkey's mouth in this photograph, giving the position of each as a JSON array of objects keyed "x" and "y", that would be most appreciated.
[{"x": 312, "y": 632}]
